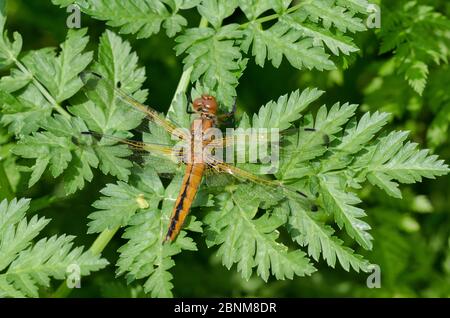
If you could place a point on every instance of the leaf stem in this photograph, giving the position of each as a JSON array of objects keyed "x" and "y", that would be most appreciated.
[
  {"x": 44, "y": 202},
  {"x": 96, "y": 248},
  {"x": 272, "y": 16},
  {"x": 102, "y": 240},
  {"x": 185, "y": 78},
  {"x": 43, "y": 91}
]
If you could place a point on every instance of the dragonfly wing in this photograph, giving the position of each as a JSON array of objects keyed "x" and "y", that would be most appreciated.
[
  {"x": 247, "y": 138},
  {"x": 91, "y": 81},
  {"x": 163, "y": 158},
  {"x": 274, "y": 190}
]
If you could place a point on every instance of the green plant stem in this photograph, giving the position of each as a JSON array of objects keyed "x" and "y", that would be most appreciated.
[
  {"x": 105, "y": 237},
  {"x": 43, "y": 91},
  {"x": 272, "y": 16},
  {"x": 96, "y": 248},
  {"x": 185, "y": 78},
  {"x": 5, "y": 187},
  {"x": 44, "y": 202}
]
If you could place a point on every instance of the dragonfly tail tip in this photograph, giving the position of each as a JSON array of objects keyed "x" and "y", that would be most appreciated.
[{"x": 87, "y": 132}]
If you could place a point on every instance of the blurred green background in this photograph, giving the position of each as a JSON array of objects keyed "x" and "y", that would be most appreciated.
[{"x": 412, "y": 235}]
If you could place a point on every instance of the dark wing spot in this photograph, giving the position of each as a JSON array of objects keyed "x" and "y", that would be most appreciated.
[
  {"x": 302, "y": 194},
  {"x": 326, "y": 140}
]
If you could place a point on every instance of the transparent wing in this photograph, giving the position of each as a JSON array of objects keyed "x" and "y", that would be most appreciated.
[
  {"x": 165, "y": 159},
  {"x": 91, "y": 81},
  {"x": 242, "y": 139},
  {"x": 272, "y": 190}
]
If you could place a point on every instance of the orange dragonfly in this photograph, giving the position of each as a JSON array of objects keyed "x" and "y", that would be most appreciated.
[{"x": 198, "y": 150}]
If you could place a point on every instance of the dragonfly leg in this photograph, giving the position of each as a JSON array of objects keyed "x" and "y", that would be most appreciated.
[
  {"x": 190, "y": 112},
  {"x": 230, "y": 114}
]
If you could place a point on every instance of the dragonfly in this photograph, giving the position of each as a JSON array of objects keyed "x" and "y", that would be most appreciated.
[{"x": 198, "y": 153}]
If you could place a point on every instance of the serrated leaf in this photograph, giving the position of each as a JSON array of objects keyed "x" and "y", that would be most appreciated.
[
  {"x": 105, "y": 111},
  {"x": 340, "y": 204},
  {"x": 115, "y": 208},
  {"x": 26, "y": 266},
  {"x": 141, "y": 17},
  {"x": 24, "y": 114},
  {"x": 318, "y": 237},
  {"x": 336, "y": 43},
  {"x": 306, "y": 146},
  {"x": 282, "y": 113},
  {"x": 9, "y": 50},
  {"x": 216, "y": 60},
  {"x": 332, "y": 15},
  {"x": 254, "y": 8},
  {"x": 251, "y": 242},
  {"x": 215, "y": 11},
  {"x": 279, "y": 41},
  {"x": 145, "y": 255},
  {"x": 55, "y": 149},
  {"x": 59, "y": 74},
  {"x": 416, "y": 48}
]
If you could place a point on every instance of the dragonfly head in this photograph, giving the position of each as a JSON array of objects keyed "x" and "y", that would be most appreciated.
[{"x": 205, "y": 104}]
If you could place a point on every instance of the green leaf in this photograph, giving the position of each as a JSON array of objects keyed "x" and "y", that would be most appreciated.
[
  {"x": 141, "y": 17},
  {"x": 215, "y": 59},
  {"x": 280, "y": 40},
  {"x": 145, "y": 255},
  {"x": 306, "y": 146},
  {"x": 417, "y": 75},
  {"x": 406, "y": 31},
  {"x": 14, "y": 82},
  {"x": 392, "y": 159},
  {"x": 24, "y": 266},
  {"x": 332, "y": 15},
  {"x": 63, "y": 3},
  {"x": 54, "y": 148},
  {"x": 8, "y": 50},
  {"x": 251, "y": 242},
  {"x": 215, "y": 11},
  {"x": 336, "y": 43},
  {"x": 59, "y": 74},
  {"x": 121, "y": 201},
  {"x": 254, "y": 8},
  {"x": 355, "y": 5},
  {"x": 25, "y": 113},
  {"x": 282, "y": 113},
  {"x": 308, "y": 231},
  {"x": 357, "y": 135},
  {"x": 340, "y": 204},
  {"x": 105, "y": 111}
]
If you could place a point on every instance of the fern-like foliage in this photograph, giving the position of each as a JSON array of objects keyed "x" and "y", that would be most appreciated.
[
  {"x": 252, "y": 242},
  {"x": 54, "y": 148},
  {"x": 415, "y": 50},
  {"x": 26, "y": 266},
  {"x": 326, "y": 154},
  {"x": 143, "y": 18},
  {"x": 301, "y": 33},
  {"x": 136, "y": 205}
]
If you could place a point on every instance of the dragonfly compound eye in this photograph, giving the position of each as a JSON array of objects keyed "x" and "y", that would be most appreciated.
[{"x": 198, "y": 104}]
